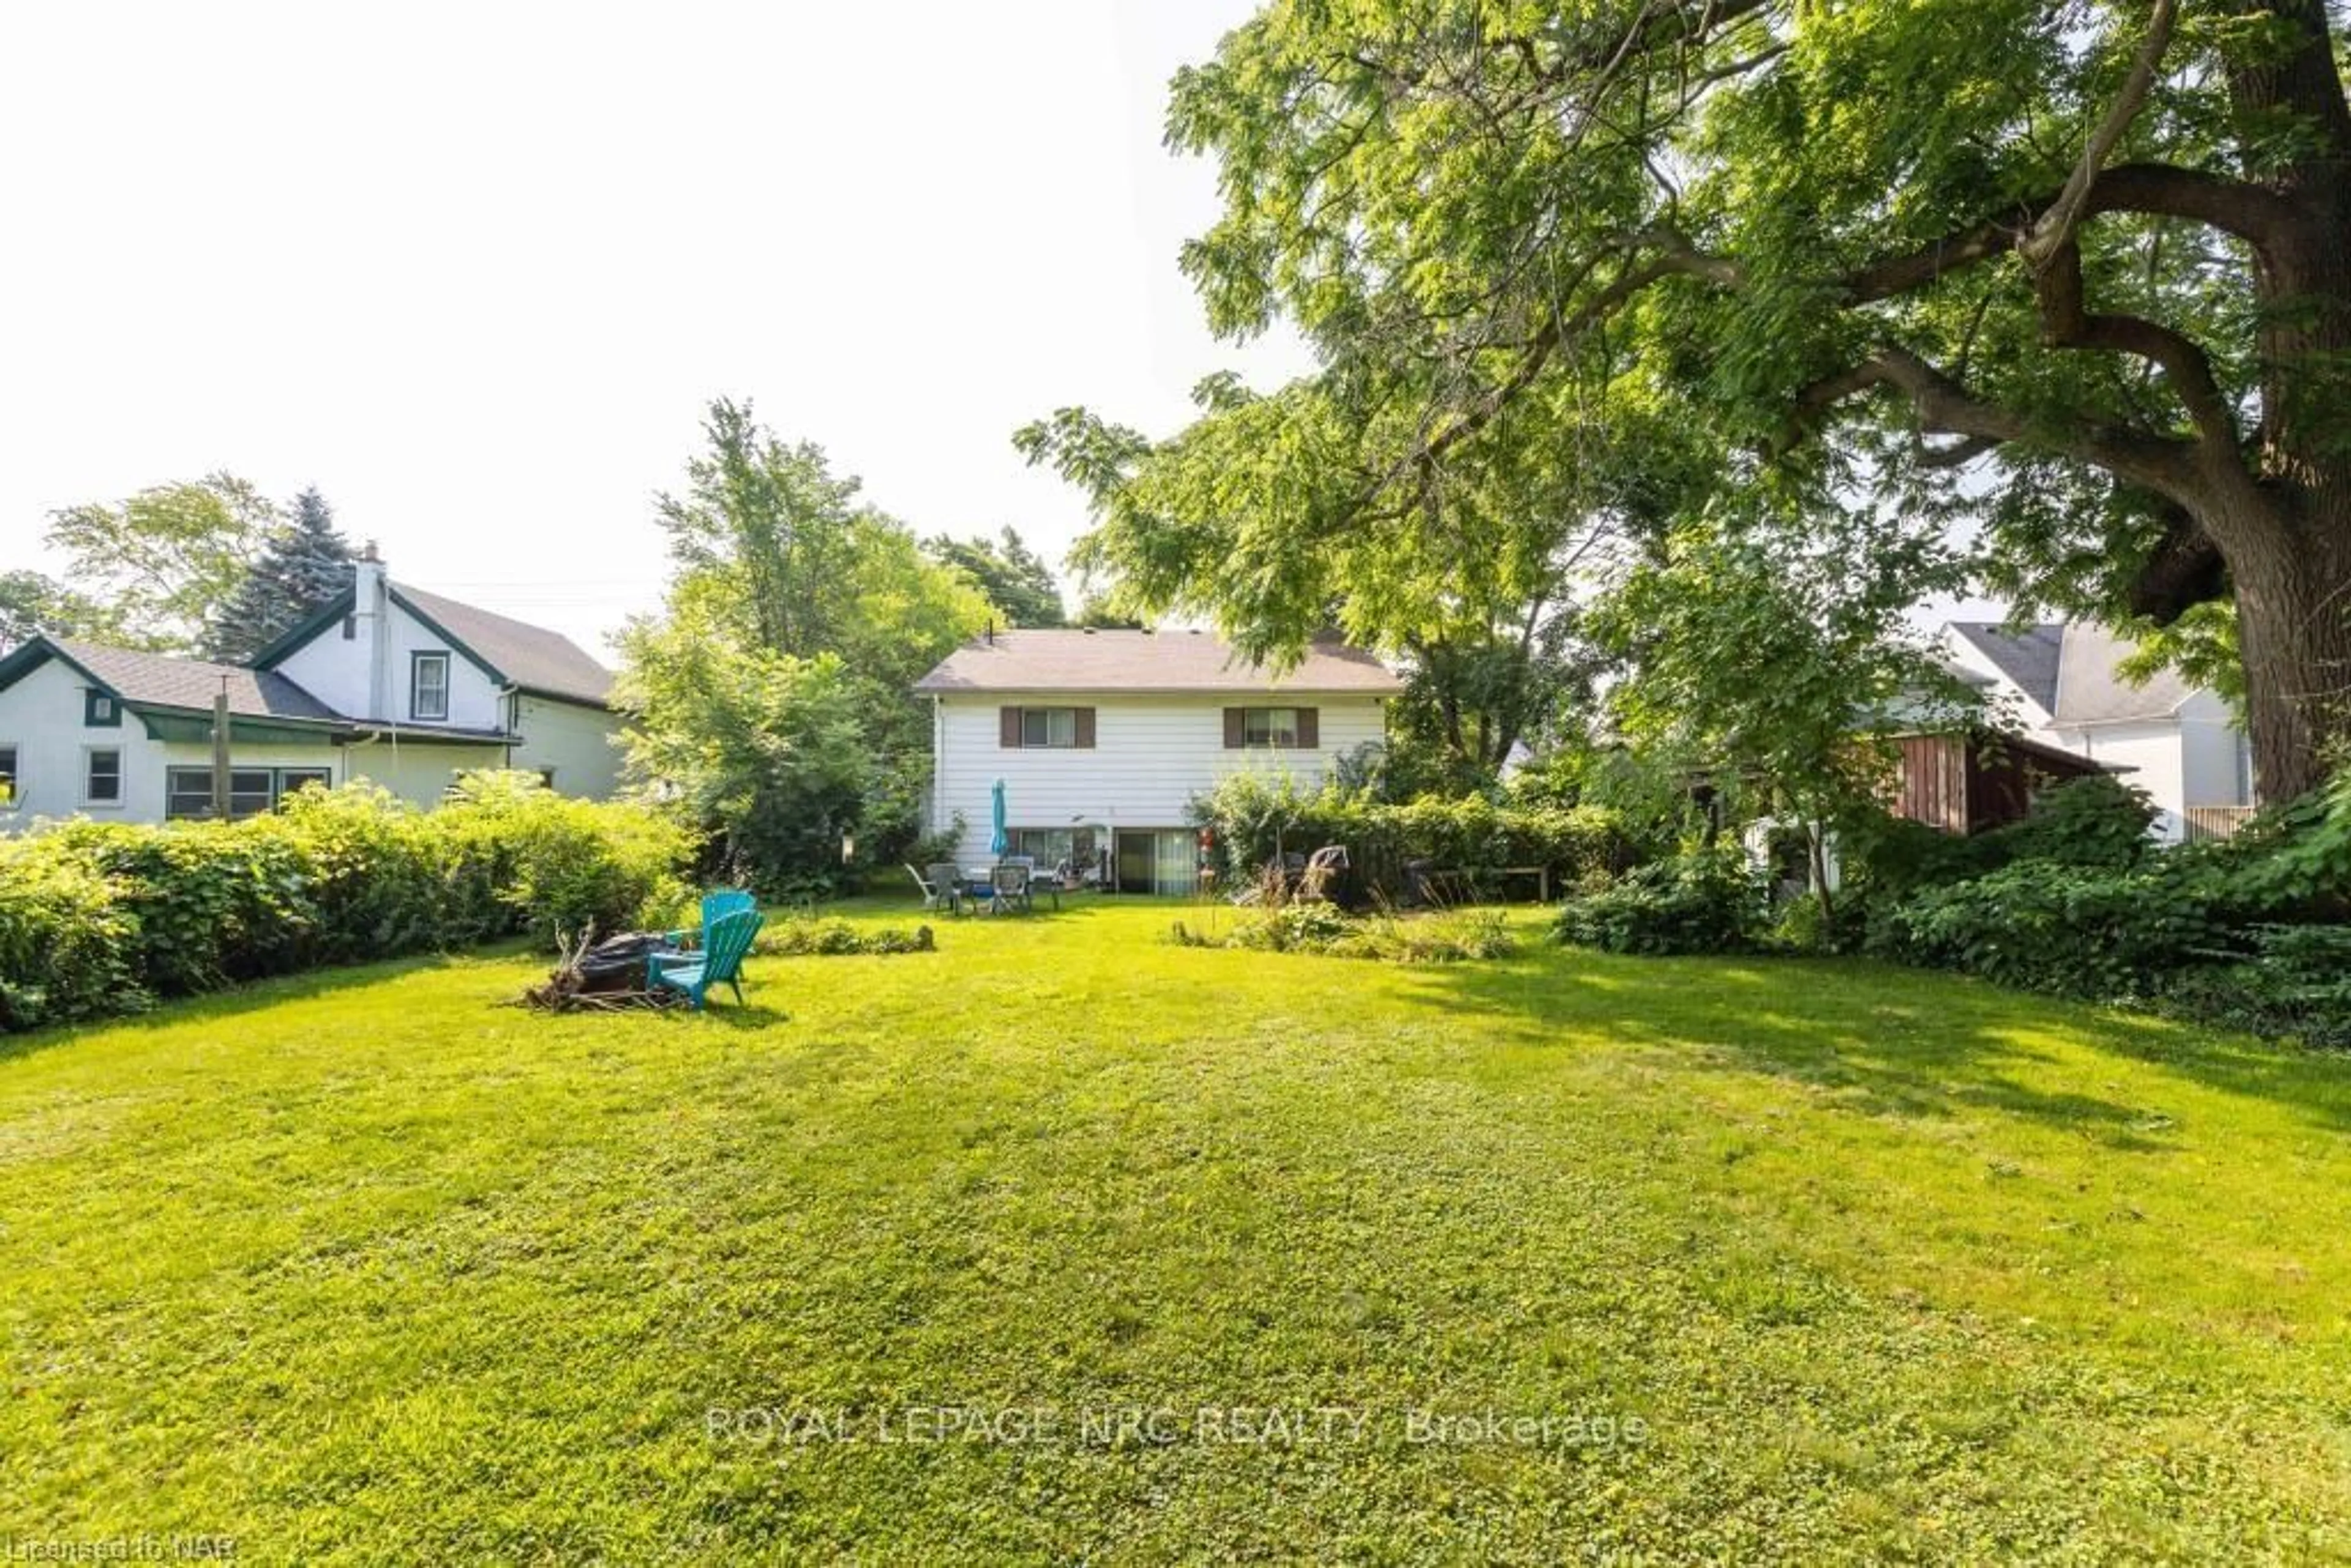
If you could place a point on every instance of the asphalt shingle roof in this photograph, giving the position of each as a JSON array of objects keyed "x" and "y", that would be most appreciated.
[
  {"x": 2028, "y": 657},
  {"x": 1101, "y": 661},
  {"x": 165, "y": 680},
  {"x": 2069, "y": 668},
  {"x": 2090, "y": 691},
  {"x": 528, "y": 656}
]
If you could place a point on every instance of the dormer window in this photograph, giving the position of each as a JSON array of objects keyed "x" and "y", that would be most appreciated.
[
  {"x": 99, "y": 709},
  {"x": 428, "y": 687}
]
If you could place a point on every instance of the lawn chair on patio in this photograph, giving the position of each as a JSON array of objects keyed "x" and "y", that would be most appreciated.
[
  {"x": 717, "y": 904},
  {"x": 1010, "y": 883},
  {"x": 942, "y": 889},
  {"x": 725, "y": 943}
]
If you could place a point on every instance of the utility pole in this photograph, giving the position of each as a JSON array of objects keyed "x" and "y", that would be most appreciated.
[{"x": 220, "y": 752}]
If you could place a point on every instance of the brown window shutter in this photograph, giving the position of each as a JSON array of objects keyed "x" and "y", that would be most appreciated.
[
  {"x": 1085, "y": 728},
  {"x": 1236, "y": 728},
  {"x": 1310, "y": 728},
  {"x": 1008, "y": 726}
]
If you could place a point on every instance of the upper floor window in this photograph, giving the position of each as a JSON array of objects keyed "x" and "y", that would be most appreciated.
[
  {"x": 428, "y": 686},
  {"x": 1269, "y": 726},
  {"x": 1272, "y": 728},
  {"x": 1047, "y": 727},
  {"x": 100, "y": 709},
  {"x": 10, "y": 794}
]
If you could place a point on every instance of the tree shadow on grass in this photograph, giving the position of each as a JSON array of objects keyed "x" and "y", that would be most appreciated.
[{"x": 1883, "y": 1040}]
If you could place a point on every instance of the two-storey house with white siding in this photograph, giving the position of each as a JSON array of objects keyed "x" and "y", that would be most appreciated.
[
  {"x": 385, "y": 682},
  {"x": 1102, "y": 738}
]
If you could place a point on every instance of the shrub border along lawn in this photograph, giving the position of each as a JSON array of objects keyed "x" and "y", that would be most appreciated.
[{"x": 99, "y": 918}]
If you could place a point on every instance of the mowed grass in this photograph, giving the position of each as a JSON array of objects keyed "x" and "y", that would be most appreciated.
[{"x": 365, "y": 1267}]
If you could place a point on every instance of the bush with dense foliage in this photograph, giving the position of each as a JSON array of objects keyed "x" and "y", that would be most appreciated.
[
  {"x": 1701, "y": 901},
  {"x": 2251, "y": 932},
  {"x": 1256, "y": 816},
  {"x": 828, "y": 939},
  {"x": 102, "y": 917},
  {"x": 1444, "y": 936}
]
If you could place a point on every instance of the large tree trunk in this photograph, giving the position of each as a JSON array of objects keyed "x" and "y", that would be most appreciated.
[
  {"x": 2293, "y": 580},
  {"x": 2288, "y": 541}
]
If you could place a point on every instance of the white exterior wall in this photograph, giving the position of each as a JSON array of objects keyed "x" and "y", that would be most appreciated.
[
  {"x": 1151, "y": 755},
  {"x": 2148, "y": 750},
  {"x": 475, "y": 701},
  {"x": 41, "y": 715},
  {"x": 2212, "y": 765},
  {"x": 420, "y": 775},
  {"x": 582, "y": 745},
  {"x": 342, "y": 673}
]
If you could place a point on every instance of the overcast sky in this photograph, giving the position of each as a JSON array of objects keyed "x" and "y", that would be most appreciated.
[{"x": 474, "y": 270}]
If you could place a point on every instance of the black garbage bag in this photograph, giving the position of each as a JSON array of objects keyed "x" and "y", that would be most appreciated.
[{"x": 617, "y": 963}]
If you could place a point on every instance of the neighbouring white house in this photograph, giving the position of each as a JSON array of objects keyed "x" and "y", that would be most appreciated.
[
  {"x": 1102, "y": 738},
  {"x": 386, "y": 683},
  {"x": 2060, "y": 684}
]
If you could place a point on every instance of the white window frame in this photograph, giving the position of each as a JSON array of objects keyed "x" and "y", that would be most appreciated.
[
  {"x": 15, "y": 797},
  {"x": 121, "y": 778},
  {"x": 417, "y": 662}
]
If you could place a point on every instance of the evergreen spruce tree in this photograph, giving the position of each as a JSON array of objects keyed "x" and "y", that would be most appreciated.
[{"x": 304, "y": 564}]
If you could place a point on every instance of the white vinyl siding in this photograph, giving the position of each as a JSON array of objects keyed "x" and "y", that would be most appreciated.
[{"x": 1152, "y": 753}]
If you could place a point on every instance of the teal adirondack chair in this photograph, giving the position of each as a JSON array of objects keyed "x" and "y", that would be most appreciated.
[
  {"x": 725, "y": 941},
  {"x": 716, "y": 903}
]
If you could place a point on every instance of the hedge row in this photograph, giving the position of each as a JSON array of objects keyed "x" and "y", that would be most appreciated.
[
  {"x": 1255, "y": 817},
  {"x": 99, "y": 918}
]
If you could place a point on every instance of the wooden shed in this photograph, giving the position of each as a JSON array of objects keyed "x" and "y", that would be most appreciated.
[{"x": 1965, "y": 783}]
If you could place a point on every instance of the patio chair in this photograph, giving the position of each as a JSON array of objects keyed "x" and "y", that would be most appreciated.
[
  {"x": 717, "y": 903},
  {"x": 942, "y": 889},
  {"x": 726, "y": 941},
  {"x": 1010, "y": 881}
]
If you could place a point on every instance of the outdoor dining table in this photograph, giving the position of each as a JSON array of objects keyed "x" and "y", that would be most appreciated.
[{"x": 979, "y": 887}]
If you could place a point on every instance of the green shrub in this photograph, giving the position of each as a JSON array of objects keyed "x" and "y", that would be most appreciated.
[
  {"x": 68, "y": 943},
  {"x": 567, "y": 866},
  {"x": 2295, "y": 982},
  {"x": 99, "y": 917},
  {"x": 803, "y": 937},
  {"x": 1253, "y": 817},
  {"x": 2108, "y": 935},
  {"x": 1703, "y": 901},
  {"x": 1444, "y": 937},
  {"x": 2245, "y": 934}
]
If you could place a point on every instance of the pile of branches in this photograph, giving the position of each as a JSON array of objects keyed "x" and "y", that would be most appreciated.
[{"x": 593, "y": 977}]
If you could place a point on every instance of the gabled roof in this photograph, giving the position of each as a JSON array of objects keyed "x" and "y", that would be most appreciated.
[
  {"x": 531, "y": 657},
  {"x": 165, "y": 680},
  {"x": 1104, "y": 661},
  {"x": 2070, "y": 669},
  {"x": 2090, "y": 691},
  {"x": 513, "y": 653},
  {"x": 2028, "y": 657}
]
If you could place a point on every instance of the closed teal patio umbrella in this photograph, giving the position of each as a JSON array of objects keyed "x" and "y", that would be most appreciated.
[{"x": 998, "y": 841}]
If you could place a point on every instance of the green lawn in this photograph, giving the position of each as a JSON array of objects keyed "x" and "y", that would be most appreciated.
[{"x": 366, "y": 1267}]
